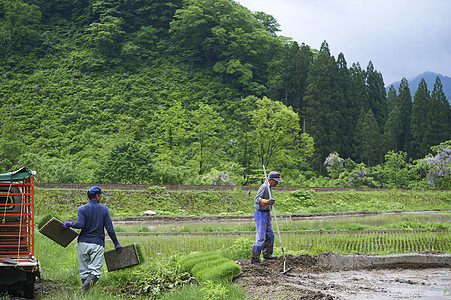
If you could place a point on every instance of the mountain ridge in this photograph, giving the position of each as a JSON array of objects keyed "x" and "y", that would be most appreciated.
[{"x": 429, "y": 77}]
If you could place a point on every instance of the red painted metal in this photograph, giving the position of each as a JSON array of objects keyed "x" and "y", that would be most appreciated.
[{"x": 17, "y": 219}]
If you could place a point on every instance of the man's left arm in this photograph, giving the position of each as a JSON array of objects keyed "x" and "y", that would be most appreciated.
[{"x": 110, "y": 229}]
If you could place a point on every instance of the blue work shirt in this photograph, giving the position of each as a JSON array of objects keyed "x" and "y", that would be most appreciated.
[{"x": 92, "y": 218}]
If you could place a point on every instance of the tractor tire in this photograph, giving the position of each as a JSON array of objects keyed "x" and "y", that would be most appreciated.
[
  {"x": 28, "y": 290},
  {"x": 28, "y": 286}
]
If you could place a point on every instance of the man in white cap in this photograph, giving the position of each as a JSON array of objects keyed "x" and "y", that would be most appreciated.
[
  {"x": 92, "y": 218},
  {"x": 264, "y": 241}
]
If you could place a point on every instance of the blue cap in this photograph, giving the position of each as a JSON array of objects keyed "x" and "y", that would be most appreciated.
[
  {"x": 94, "y": 190},
  {"x": 276, "y": 176}
]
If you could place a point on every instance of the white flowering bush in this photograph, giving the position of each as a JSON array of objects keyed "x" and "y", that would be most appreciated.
[
  {"x": 333, "y": 164},
  {"x": 439, "y": 169}
]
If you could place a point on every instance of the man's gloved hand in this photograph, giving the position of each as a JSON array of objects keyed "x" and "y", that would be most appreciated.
[
  {"x": 65, "y": 226},
  {"x": 118, "y": 247},
  {"x": 271, "y": 201}
]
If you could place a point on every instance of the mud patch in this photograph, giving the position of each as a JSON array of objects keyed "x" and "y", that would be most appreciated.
[{"x": 331, "y": 276}]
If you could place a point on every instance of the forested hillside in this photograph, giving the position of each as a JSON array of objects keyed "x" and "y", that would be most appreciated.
[{"x": 197, "y": 91}]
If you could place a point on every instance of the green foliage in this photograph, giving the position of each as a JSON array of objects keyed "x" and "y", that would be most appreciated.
[
  {"x": 395, "y": 172},
  {"x": 302, "y": 198},
  {"x": 214, "y": 290},
  {"x": 196, "y": 86},
  {"x": 241, "y": 248},
  {"x": 125, "y": 162}
]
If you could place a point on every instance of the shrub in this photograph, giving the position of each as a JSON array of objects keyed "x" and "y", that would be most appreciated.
[
  {"x": 304, "y": 198},
  {"x": 241, "y": 248}
]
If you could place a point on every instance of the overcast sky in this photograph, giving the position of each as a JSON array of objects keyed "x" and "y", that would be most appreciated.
[{"x": 403, "y": 38}]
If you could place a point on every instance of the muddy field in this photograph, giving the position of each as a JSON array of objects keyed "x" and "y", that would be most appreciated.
[{"x": 333, "y": 276}]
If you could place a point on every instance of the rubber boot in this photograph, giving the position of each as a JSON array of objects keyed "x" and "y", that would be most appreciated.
[
  {"x": 269, "y": 257},
  {"x": 255, "y": 256},
  {"x": 89, "y": 282}
]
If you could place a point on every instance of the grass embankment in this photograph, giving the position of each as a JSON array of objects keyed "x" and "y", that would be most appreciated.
[{"x": 165, "y": 202}]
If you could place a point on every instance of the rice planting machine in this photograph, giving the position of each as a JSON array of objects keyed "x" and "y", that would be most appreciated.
[{"x": 18, "y": 265}]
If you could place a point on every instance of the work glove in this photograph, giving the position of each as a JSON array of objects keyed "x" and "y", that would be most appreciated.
[
  {"x": 65, "y": 226},
  {"x": 271, "y": 201},
  {"x": 118, "y": 247}
]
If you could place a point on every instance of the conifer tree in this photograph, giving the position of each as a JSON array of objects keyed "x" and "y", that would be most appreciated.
[
  {"x": 405, "y": 107},
  {"x": 391, "y": 98},
  {"x": 367, "y": 133},
  {"x": 322, "y": 99},
  {"x": 359, "y": 89},
  {"x": 439, "y": 116},
  {"x": 418, "y": 123},
  {"x": 348, "y": 108},
  {"x": 376, "y": 94},
  {"x": 392, "y": 129}
]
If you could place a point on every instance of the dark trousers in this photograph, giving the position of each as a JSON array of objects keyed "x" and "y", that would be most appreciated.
[{"x": 264, "y": 241}]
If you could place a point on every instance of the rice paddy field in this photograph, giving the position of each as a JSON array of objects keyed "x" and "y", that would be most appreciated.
[{"x": 165, "y": 243}]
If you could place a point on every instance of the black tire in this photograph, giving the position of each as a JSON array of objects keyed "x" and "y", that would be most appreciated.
[
  {"x": 28, "y": 286},
  {"x": 28, "y": 290}
]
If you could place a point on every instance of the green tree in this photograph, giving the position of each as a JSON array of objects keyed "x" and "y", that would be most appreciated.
[
  {"x": 276, "y": 128},
  {"x": 418, "y": 124},
  {"x": 18, "y": 23},
  {"x": 323, "y": 99},
  {"x": 208, "y": 127},
  {"x": 226, "y": 37},
  {"x": 11, "y": 146},
  {"x": 241, "y": 147},
  {"x": 126, "y": 162},
  {"x": 349, "y": 108},
  {"x": 392, "y": 129},
  {"x": 439, "y": 116},
  {"x": 395, "y": 171},
  {"x": 376, "y": 94},
  {"x": 269, "y": 22},
  {"x": 391, "y": 98},
  {"x": 288, "y": 76},
  {"x": 368, "y": 138},
  {"x": 405, "y": 107},
  {"x": 106, "y": 36}
]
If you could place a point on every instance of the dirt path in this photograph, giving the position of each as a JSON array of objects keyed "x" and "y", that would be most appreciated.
[
  {"x": 328, "y": 275},
  {"x": 334, "y": 276}
]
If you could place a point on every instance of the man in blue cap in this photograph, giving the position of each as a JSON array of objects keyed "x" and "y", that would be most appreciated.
[
  {"x": 264, "y": 241},
  {"x": 92, "y": 218}
]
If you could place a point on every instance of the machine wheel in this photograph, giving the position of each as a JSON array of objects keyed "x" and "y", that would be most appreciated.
[
  {"x": 28, "y": 290},
  {"x": 28, "y": 286}
]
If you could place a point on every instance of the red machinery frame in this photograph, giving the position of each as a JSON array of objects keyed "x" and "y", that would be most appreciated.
[
  {"x": 18, "y": 265},
  {"x": 17, "y": 221}
]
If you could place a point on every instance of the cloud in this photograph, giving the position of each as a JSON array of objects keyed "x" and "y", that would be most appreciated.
[{"x": 402, "y": 38}]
